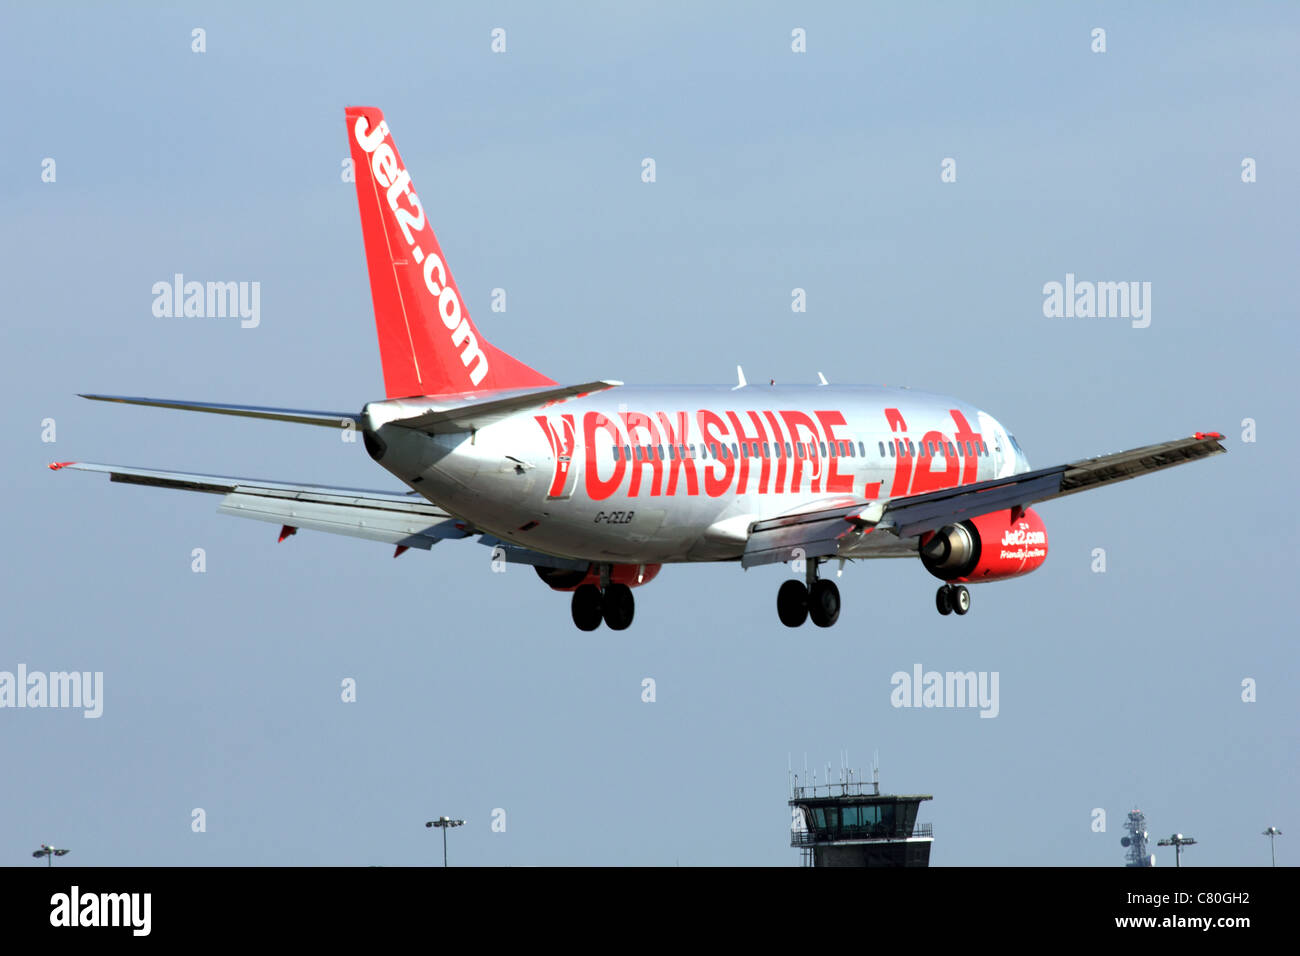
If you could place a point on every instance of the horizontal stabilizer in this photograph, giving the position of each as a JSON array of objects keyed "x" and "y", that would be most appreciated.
[
  {"x": 297, "y": 415},
  {"x": 469, "y": 411}
]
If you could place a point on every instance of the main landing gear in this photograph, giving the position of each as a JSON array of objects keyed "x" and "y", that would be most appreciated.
[
  {"x": 612, "y": 603},
  {"x": 952, "y": 597},
  {"x": 818, "y": 599}
]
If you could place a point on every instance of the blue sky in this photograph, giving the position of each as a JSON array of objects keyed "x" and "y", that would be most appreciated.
[{"x": 775, "y": 170}]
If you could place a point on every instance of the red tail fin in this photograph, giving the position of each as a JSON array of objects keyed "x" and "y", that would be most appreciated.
[{"x": 427, "y": 341}]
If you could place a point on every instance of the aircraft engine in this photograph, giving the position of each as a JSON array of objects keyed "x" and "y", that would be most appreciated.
[{"x": 990, "y": 547}]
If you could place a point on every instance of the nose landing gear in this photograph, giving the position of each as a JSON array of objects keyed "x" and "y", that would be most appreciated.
[{"x": 819, "y": 599}]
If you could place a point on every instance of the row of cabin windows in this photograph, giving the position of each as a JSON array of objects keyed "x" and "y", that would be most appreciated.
[
  {"x": 835, "y": 449},
  {"x": 935, "y": 449}
]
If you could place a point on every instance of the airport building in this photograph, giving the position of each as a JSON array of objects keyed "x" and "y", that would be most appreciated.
[{"x": 851, "y": 823}]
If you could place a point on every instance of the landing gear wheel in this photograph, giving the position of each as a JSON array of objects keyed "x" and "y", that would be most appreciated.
[
  {"x": 792, "y": 603},
  {"x": 960, "y": 599},
  {"x": 824, "y": 603},
  {"x": 618, "y": 606},
  {"x": 586, "y": 607},
  {"x": 943, "y": 600}
]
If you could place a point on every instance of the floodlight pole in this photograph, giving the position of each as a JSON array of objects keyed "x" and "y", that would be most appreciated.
[
  {"x": 444, "y": 824},
  {"x": 1178, "y": 841},
  {"x": 1273, "y": 833}
]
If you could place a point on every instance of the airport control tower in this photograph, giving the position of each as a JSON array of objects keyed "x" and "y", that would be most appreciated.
[{"x": 851, "y": 823}]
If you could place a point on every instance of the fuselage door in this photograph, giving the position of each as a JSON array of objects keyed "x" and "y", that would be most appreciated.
[{"x": 566, "y": 464}]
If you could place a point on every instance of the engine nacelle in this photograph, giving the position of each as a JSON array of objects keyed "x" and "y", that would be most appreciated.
[
  {"x": 990, "y": 547},
  {"x": 563, "y": 579}
]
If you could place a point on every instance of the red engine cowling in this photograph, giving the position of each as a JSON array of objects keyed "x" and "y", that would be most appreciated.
[
  {"x": 991, "y": 547},
  {"x": 562, "y": 579}
]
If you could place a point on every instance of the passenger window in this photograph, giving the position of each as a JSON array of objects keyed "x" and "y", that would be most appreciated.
[
  {"x": 672, "y": 452},
  {"x": 821, "y": 446},
  {"x": 862, "y": 451},
  {"x": 744, "y": 449},
  {"x": 911, "y": 449},
  {"x": 661, "y": 452},
  {"x": 798, "y": 446},
  {"x": 616, "y": 455},
  {"x": 952, "y": 452},
  {"x": 787, "y": 450},
  {"x": 627, "y": 452},
  {"x": 638, "y": 452},
  {"x": 767, "y": 451},
  {"x": 833, "y": 454}
]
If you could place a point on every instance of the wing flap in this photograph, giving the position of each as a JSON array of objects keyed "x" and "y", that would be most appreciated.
[
  {"x": 809, "y": 534},
  {"x": 357, "y": 517}
]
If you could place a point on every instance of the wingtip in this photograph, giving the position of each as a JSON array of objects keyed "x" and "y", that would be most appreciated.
[{"x": 56, "y": 465}]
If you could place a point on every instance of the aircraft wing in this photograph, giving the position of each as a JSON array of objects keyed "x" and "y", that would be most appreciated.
[
  {"x": 394, "y": 518},
  {"x": 404, "y": 520},
  {"x": 829, "y": 532}
]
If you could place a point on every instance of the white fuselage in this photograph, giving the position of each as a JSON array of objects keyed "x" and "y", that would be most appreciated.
[{"x": 677, "y": 473}]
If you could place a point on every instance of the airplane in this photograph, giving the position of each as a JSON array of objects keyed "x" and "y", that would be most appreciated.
[{"x": 598, "y": 484}]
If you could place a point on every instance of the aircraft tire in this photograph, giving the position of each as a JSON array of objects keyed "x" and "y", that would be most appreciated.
[
  {"x": 586, "y": 607},
  {"x": 792, "y": 603},
  {"x": 824, "y": 603},
  {"x": 619, "y": 606}
]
